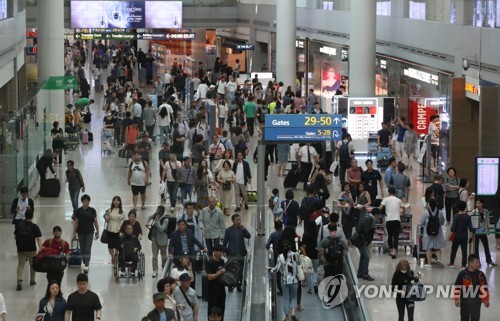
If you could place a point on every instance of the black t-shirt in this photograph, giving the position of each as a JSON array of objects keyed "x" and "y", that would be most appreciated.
[
  {"x": 26, "y": 233},
  {"x": 384, "y": 135},
  {"x": 83, "y": 306},
  {"x": 371, "y": 178},
  {"x": 85, "y": 220},
  {"x": 216, "y": 287},
  {"x": 164, "y": 155}
]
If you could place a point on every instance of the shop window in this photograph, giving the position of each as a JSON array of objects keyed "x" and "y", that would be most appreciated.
[
  {"x": 327, "y": 5},
  {"x": 383, "y": 8},
  {"x": 417, "y": 9},
  {"x": 486, "y": 13}
]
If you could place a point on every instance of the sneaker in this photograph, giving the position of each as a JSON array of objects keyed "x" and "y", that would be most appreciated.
[
  {"x": 19, "y": 286},
  {"x": 427, "y": 266},
  {"x": 155, "y": 274},
  {"x": 32, "y": 282},
  {"x": 237, "y": 209},
  {"x": 246, "y": 206},
  {"x": 451, "y": 266},
  {"x": 85, "y": 269},
  {"x": 368, "y": 278}
]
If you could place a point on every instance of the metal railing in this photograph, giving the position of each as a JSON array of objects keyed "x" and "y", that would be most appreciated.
[
  {"x": 354, "y": 306},
  {"x": 167, "y": 267},
  {"x": 246, "y": 301}
]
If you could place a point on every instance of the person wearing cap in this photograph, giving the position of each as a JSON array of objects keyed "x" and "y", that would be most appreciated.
[
  {"x": 62, "y": 247},
  {"x": 186, "y": 175},
  {"x": 234, "y": 244},
  {"x": 215, "y": 269},
  {"x": 20, "y": 205},
  {"x": 186, "y": 298},
  {"x": 160, "y": 313}
]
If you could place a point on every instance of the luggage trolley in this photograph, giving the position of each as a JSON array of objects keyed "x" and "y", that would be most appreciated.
[
  {"x": 405, "y": 232},
  {"x": 380, "y": 235},
  {"x": 107, "y": 141},
  {"x": 71, "y": 141}
]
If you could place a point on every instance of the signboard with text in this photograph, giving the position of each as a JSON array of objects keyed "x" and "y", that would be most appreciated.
[
  {"x": 61, "y": 83},
  {"x": 133, "y": 36},
  {"x": 302, "y": 127},
  {"x": 487, "y": 175}
]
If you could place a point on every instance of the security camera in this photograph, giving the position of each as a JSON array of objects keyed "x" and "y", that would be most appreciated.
[{"x": 465, "y": 64}]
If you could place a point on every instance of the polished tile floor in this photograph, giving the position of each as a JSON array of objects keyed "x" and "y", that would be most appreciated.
[{"x": 105, "y": 177}]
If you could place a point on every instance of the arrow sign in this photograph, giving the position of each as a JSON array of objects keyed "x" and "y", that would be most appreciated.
[
  {"x": 335, "y": 134},
  {"x": 336, "y": 121}
]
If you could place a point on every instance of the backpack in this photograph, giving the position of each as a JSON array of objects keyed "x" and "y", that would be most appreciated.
[
  {"x": 306, "y": 208},
  {"x": 224, "y": 143},
  {"x": 270, "y": 203},
  {"x": 24, "y": 230},
  {"x": 334, "y": 252},
  {"x": 433, "y": 224},
  {"x": 172, "y": 224},
  {"x": 232, "y": 274},
  {"x": 344, "y": 156}
]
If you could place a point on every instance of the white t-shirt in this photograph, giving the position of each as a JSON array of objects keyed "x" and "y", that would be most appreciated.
[
  {"x": 240, "y": 174},
  {"x": 304, "y": 154},
  {"x": 168, "y": 78},
  {"x": 434, "y": 133},
  {"x": 231, "y": 87},
  {"x": 223, "y": 111},
  {"x": 168, "y": 166},
  {"x": 392, "y": 206},
  {"x": 165, "y": 121},
  {"x": 138, "y": 174},
  {"x": 202, "y": 91},
  {"x": 221, "y": 87},
  {"x": 137, "y": 110}
]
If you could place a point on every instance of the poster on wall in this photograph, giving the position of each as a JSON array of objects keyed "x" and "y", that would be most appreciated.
[
  {"x": 420, "y": 116},
  {"x": 126, "y": 14},
  {"x": 330, "y": 78}
]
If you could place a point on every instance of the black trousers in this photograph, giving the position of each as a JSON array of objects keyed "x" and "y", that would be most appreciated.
[
  {"x": 484, "y": 240},
  {"x": 217, "y": 299},
  {"x": 454, "y": 249},
  {"x": 305, "y": 170},
  {"x": 393, "y": 228},
  {"x": 250, "y": 125},
  {"x": 55, "y": 276},
  {"x": 449, "y": 205},
  {"x": 470, "y": 309},
  {"x": 342, "y": 170},
  {"x": 332, "y": 270},
  {"x": 402, "y": 304}
]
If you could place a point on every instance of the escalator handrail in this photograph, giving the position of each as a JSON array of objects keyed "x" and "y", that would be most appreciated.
[
  {"x": 355, "y": 281},
  {"x": 167, "y": 267},
  {"x": 246, "y": 301}
]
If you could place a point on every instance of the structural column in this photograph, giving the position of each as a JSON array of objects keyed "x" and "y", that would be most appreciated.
[
  {"x": 199, "y": 47},
  {"x": 51, "y": 52},
  {"x": 362, "y": 48},
  {"x": 285, "y": 42}
]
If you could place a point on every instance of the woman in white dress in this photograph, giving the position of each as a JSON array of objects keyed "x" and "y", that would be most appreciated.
[{"x": 226, "y": 179}]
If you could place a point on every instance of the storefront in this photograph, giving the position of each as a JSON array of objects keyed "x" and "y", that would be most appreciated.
[{"x": 233, "y": 46}]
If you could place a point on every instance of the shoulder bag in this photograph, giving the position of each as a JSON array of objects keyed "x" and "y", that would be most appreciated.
[
  {"x": 105, "y": 234},
  {"x": 300, "y": 272}
]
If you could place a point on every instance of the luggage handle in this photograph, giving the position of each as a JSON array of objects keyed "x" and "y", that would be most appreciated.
[{"x": 77, "y": 244}]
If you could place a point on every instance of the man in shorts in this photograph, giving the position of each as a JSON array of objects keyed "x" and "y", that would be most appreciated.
[
  {"x": 138, "y": 179},
  {"x": 131, "y": 135}
]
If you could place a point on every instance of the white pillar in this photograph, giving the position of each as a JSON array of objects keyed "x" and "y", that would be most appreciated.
[
  {"x": 51, "y": 52},
  {"x": 285, "y": 42},
  {"x": 362, "y": 48}
]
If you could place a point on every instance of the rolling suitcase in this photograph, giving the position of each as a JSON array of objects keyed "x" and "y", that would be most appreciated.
[
  {"x": 251, "y": 195},
  {"x": 383, "y": 156},
  {"x": 85, "y": 137},
  {"x": 50, "y": 188},
  {"x": 91, "y": 137},
  {"x": 75, "y": 255},
  {"x": 292, "y": 177}
]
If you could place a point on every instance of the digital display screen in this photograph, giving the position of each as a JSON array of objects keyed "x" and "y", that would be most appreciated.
[
  {"x": 4, "y": 13},
  {"x": 126, "y": 14},
  {"x": 487, "y": 175}
]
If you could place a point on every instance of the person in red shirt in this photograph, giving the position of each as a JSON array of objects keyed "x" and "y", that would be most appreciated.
[
  {"x": 60, "y": 245},
  {"x": 354, "y": 177}
]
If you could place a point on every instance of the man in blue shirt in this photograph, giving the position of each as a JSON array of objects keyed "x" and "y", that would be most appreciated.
[
  {"x": 390, "y": 171},
  {"x": 400, "y": 149}
]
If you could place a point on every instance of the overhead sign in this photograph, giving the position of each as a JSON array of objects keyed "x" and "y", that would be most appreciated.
[
  {"x": 133, "y": 36},
  {"x": 31, "y": 34},
  {"x": 303, "y": 127},
  {"x": 472, "y": 88},
  {"x": 126, "y": 14},
  {"x": 422, "y": 76},
  {"x": 487, "y": 175},
  {"x": 244, "y": 47},
  {"x": 31, "y": 51},
  {"x": 61, "y": 83}
]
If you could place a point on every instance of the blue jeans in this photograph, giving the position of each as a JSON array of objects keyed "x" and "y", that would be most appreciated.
[
  {"x": 86, "y": 246},
  {"x": 172, "y": 188},
  {"x": 364, "y": 260},
  {"x": 188, "y": 190},
  {"x": 289, "y": 297},
  {"x": 74, "y": 195},
  {"x": 164, "y": 132}
]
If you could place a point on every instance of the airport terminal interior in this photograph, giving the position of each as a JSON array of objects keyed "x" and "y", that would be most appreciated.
[{"x": 411, "y": 85}]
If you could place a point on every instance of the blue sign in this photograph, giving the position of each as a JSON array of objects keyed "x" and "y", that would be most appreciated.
[
  {"x": 303, "y": 120},
  {"x": 245, "y": 47},
  {"x": 303, "y": 127}
]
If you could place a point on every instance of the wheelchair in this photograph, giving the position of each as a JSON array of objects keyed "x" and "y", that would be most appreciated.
[{"x": 129, "y": 273}]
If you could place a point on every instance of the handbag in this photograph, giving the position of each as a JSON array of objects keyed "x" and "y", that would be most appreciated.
[
  {"x": 307, "y": 265},
  {"x": 226, "y": 186},
  {"x": 300, "y": 272},
  {"x": 105, "y": 235},
  {"x": 415, "y": 292}
]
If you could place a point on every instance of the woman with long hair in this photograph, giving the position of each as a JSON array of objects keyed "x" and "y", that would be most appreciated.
[
  {"x": 363, "y": 200},
  {"x": 52, "y": 306},
  {"x": 288, "y": 263},
  {"x": 320, "y": 188},
  {"x": 226, "y": 179},
  {"x": 433, "y": 242},
  {"x": 400, "y": 280},
  {"x": 114, "y": 217},
  {"x": 202, "y": 182}
]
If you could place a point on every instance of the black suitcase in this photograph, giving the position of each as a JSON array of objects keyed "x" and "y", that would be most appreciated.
[
  {"x": 50, "y": 188},
  {"x": 292, "y": 177},
  {"x": 75, "y": 254},
  {"x": 91, "y": 137}
]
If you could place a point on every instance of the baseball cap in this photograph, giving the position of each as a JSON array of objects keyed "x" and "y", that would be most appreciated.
[
  {"x": 342, "y": 198},
  {"x": 158, "y": 296}
]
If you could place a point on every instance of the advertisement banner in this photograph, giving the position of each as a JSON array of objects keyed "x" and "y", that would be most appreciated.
[
  {"x": 420, "y": 116},
  {"x": 126, "y": 14}
]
